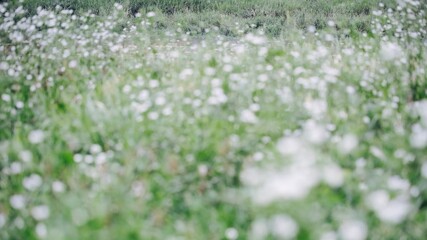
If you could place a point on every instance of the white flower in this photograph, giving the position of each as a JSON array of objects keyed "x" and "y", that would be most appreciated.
[
  {"x": 397, "y": 183},
  {"x": 255, "y": 39},
  {"x": 421, "y": 108},
  {"x": 247, "y": 116},
  {"x": 160, "y": 101},
  {"x": 258, "y": 156},
  {"x": 395, "y": 211},
  {"x": 6, "y": 97},
  {"x": 167, "y": 111},
  {"x": 348, "y": 143},
  {"x": 88, "y": 159},
  {"x": 418, "y": 138},
  {"x": 311, "y": 29},
  {"x": 251, "y": 176},
  {"x": 259, "y": 229},
  {"x": 36, "y": 136},
  {"x": 66, "y": 53},
  {"x": 101, "y": 158},
  {"x": 115, "y": 48},
  {"x": 231, "y": 233},
  {"x": 391, "y": 51},
  {"x": 151, "y": 14},
  {"x": 143, "y": 95},
  {"x": 388, "y": 210},
  {"x": 126, "y": 89},
  {"x": 377, "y": 152},
  {"x": 78, "y": 158},
  {"x": 333, "y": 175},
  {"x": 210, "y": 71},
  {"x": 290, "y": 145},
  {"x": 95, "y": 149},
  {"x": 19, "y": 105},
  {"x": 19, "y": 223},
  {"x": 26, "y": 156},
  {"x": 316, "y": 107},
  {"x": 72, "y": 64},
  {"x": 288, "y": 184},
  {"x": 186, "y": 73},
  {"x": 17, "y": 201},
  {"x": 32, "y": 182},
  {"x": 315, "y": 133},
  {"x": 118, "y": 6},
  {"x": 218, "y": 97},
  {"x": 41, "y": 230},
  {"x": 58, "y": 186},
  {"x": 40, "y": 213},
  {"x": 377, "y": 12},
  {"x": 353, "y": 230},
  {"x": 203, "y": 170},
  {"x": 138, "y": 188},
  {"x": 377, "y": 199},
  {"x": 153, "y": 115},
  {"x": 284, "y": 227},
  {"x": 15, "y": 168},
  {"x": 16, "y": 36},
  {"x": 228, "y": 68}
]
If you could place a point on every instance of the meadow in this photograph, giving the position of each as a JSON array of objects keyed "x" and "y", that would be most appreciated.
[
  {"x": 275, "y": 17},
  {"x": 195, "y": 119}
]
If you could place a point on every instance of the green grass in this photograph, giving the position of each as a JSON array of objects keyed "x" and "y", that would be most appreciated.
[
  {"x": 275, "y": 16},
  {"x": 116, "y": 127}
]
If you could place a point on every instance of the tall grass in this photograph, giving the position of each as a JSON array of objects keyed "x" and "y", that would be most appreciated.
[{"x": 276, "y": 16}]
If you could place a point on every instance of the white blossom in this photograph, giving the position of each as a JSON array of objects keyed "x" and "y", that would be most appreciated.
[
  {"x": 247, "y": 116},
  {"x": 17, "y": 201},
  {"x": 391, "y": 51},
  {"x": 40, "y": 213},
  {"x": 36, "y": 136},
  {"x": 284, "y": 227},
  {"x": 231, "y": 233},
  {"x": 33, "y": 182},
  {"x": 353, "y": 230}
]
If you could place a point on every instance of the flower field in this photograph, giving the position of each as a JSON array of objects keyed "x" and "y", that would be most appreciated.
[{"x": 113, "y": 129}]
